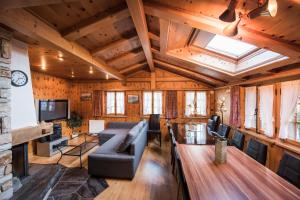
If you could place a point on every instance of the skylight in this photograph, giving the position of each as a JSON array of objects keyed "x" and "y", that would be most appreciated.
[{"x": 229, "y": 47}]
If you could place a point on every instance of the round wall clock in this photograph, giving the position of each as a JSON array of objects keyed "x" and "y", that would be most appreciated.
[{"x": 18, "y": 78}]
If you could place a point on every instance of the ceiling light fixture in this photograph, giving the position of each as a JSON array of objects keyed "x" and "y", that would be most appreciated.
[
  {"x": 91, "y": 71},
  {"x": 232, "y": 29},
  {"x": 265, "y": 8},
  {"x": 229, "y": 14}
]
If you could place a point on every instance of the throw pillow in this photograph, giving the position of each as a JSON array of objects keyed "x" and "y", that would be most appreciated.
[{"x": 132, "y": 134}]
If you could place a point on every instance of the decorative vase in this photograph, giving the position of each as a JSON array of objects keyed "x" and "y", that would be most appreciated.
[{"x": 220, "y": 151}]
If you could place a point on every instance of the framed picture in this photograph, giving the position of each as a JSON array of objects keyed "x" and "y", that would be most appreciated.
[
  {"x": 133, "y": 99},
  {"x": 86, "y": 96}
]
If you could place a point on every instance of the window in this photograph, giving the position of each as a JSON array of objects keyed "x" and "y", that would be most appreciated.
[
  {"x": 115, "y": 103},
  {"x": 266, "y": 119},
  {"x": 250, "y": 107},
  {"x": 152, "y": 103},
  {"x": 229, "y": 47},
  {"x": 294, "y": 125},
  {"x": 195, "y": 103}
]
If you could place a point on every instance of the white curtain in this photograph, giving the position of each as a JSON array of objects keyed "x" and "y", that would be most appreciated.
[
  {"x": 290, "y": 93},
  {"x": 201, "y": 103},
  {"x": 250, "y": 106},
  {"x": 110, "y": 103},
  {"x": 189, "y": 103},
  {"x": 266, "y": 95},
  {"x": 147, "y": 103},
  {"x": 120, "y": 102},
  {"x": 157, "y": 103}
]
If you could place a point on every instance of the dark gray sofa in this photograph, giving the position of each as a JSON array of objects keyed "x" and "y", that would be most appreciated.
[{"x": 107, "y": 162}]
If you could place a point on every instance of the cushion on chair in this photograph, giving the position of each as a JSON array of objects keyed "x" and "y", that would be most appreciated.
[
  {"x": 289, "y": 169},
  {"x": 258, "y": 151},
  {"x": 132, "y": 134},
  {"x": 238, "y": 140}
]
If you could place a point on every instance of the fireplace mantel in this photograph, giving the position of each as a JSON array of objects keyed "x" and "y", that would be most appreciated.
[{"x": 22, "y": 135}]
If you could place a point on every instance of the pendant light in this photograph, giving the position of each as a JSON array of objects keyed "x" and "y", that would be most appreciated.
[
  {"x": 232, "y": 29},
  {"x": 229, "y": 14},
  {"x": 268, "y": 8}
]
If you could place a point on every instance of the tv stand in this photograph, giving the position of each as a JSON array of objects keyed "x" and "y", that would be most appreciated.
[{"x": 48, "y": 149}]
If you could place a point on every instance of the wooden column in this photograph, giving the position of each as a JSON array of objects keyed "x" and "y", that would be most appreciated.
[
  {"x": 153, "y": 84},
  {"x": 6, "y": 190}
]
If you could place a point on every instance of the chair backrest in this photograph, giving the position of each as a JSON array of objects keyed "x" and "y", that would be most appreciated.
[
  {"x": 154, "y": 122},
  {"x": 96, "y": 126},
  {"x": 289, "y": 169},
  {"x": 223, "y": 130},
  {"x": 182, "y": 181},
  {"x": 238, "y": 140},
  {"x": 257, "y": 151},
  {"x": 216, "y": 118}
]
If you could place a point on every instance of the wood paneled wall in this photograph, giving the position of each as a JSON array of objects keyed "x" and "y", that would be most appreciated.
[{"x": 139, "y": 83}]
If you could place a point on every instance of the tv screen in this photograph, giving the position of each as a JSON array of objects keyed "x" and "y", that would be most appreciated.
[{"x": 50, "y": 110}]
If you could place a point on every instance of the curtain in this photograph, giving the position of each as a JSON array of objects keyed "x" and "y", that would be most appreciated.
[
  {"x": 171, "y": 105},
  {"x": 147, "y": 103},
  {"x": 157, "y": 103},
  {"x": 97, "y": 103},
  {"x": 110, "y": 103},
  {"x": 290, "y": 93},
  {"x": 120, "y": 102},
  {"x": 201, "y": 103},
  {"x": 250, "y": 106},
  {"x": 189, "y": 103},
  {"x": 266, "y": 98},
  {"x": 234, "y": 118}
]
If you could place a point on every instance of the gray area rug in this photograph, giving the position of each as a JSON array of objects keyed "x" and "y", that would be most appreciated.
[{"x": 76, "y": 183}]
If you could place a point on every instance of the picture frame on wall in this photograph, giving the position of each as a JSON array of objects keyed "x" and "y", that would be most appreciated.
[
  {"x": 86, "y": 96},
  {"x": 133, "y": 99}
]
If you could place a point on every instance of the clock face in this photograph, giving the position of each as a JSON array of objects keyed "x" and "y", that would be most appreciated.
[{"x": 18, "y": 78}]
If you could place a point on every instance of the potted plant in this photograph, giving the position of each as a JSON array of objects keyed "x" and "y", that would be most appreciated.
[{"x": 74, "y": 122}]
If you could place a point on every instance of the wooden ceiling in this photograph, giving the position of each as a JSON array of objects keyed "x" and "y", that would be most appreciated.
[{"x": 118, "y": 37}]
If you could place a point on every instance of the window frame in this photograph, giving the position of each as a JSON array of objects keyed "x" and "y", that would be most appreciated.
[
  {"x": 195, "y": 94},
  {"x": 296, "y": 123},
  {"x": 115, "y": 105},
  {"x": 152, "y": 102}
]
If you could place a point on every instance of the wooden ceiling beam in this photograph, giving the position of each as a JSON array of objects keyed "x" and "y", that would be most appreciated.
[
  {"x": 164, "y": 34},
  {"x": 125, "y": 56},
  {"x": 153, "y": 36},
  {"x": 114, "y": 45},
  {"x": 9, "y": 4},
  {"x": 182, "y": 71},
  {"x": 133, "y": 68},
  {"x": 137, "y": 13},
  {"x": 94, "y": 23},
  {"x": 31, "y": 26},
  {"x": 216, "y": 26},
  {"x": 281, "y": 76}
]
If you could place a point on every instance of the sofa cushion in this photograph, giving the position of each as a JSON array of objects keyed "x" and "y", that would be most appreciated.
[
  {"x": 111, "y": 146},
  {"x": 132, "y": 134},
  {"x": 114, "y": 131},
  {"x": 121, "y": 125}
]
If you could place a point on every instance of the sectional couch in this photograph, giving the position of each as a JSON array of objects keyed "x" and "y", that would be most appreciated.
[{"x": 121, "y": 147}]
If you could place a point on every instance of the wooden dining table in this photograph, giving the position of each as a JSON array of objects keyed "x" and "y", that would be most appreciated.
[{"x": 241, "y": 177}]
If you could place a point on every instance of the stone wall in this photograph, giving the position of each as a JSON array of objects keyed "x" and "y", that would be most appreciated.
[{"x": 6, "y": 189}]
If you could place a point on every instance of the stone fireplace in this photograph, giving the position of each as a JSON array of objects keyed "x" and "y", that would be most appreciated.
[{"x": 6, "y": 189}]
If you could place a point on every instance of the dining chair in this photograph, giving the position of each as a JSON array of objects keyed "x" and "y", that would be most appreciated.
[
  {"x": 289, "y": 169},
  {"x": 257, "y": 151},
  {"x": 154, "y": 127},
  {"x": 182, "y": 181},
  {"x": 223, "y": 131},
  {"x": 238, "y": 140},
  {"x": 213, "y": 123}
]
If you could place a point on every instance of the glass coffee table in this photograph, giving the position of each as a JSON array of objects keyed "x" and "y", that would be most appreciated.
[{"x": 80, "y": 149}]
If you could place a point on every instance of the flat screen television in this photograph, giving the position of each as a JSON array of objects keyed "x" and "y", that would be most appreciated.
[{"x": 51, "y": 109}]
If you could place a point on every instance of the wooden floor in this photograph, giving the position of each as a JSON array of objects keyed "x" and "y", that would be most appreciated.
[{"x": 153, "y": 179}]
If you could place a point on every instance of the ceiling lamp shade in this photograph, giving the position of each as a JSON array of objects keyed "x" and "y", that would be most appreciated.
[
  {"x": 229, "y": 14},
  {"x": 232, "y": 29},
  {"x": 268, "y": 8}
]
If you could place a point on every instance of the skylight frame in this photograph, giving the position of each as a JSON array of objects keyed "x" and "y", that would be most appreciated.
[{"x": 214, "y": 45}]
